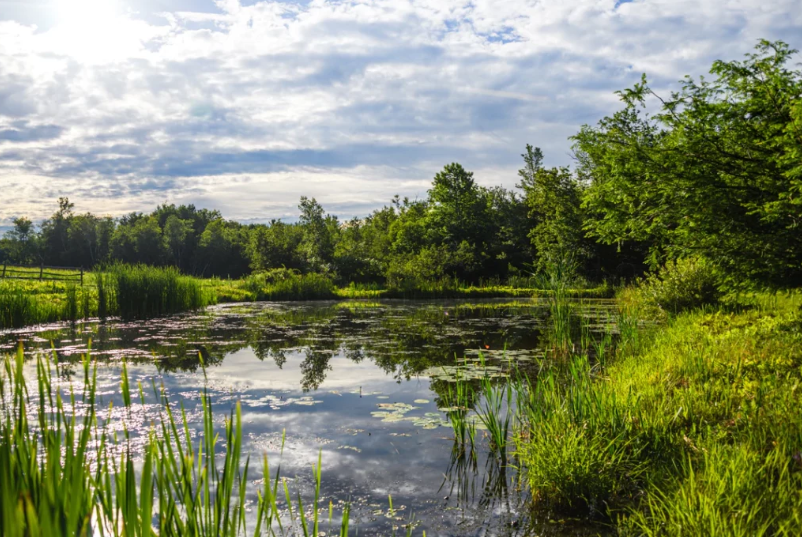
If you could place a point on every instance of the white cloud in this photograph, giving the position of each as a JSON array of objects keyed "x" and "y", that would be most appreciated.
[{"x": 247, "y": 107}]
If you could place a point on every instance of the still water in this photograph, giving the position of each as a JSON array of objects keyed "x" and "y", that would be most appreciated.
[{"x": 360, "y": 383}]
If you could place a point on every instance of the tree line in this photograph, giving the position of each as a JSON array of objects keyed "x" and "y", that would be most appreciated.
[{"x": 713, "y": 170}]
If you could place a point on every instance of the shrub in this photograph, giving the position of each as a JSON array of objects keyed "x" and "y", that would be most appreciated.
[
  {"x": 680, "y": 285},
  {"x": 284, "y": 284}
]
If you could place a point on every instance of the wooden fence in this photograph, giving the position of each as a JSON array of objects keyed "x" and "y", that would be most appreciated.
[{"x": 43, "y": 273}]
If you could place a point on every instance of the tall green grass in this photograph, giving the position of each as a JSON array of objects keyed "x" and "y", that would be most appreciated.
[
  {"x": 25, "y": 303},
  {"x": 128, "y": 291},
  {"x": 142, "y": 291},
  {"x": 59, "y": 475},
  {"x": 556, "y": 282},
  {"x": 690, "y": 428}
]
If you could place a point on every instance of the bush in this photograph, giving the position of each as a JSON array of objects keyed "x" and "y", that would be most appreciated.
[
  {"x": 283, "y": 284},
  {"x": 681, "y": 285}
]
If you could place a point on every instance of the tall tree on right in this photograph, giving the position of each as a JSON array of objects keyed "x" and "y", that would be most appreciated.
[{"x": 716, "y": 171}]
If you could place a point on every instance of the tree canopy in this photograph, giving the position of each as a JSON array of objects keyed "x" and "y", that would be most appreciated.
[{"x": 715, "y": 171}]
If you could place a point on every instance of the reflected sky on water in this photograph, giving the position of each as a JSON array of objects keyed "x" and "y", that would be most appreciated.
[{"x": 318, "y": 371}]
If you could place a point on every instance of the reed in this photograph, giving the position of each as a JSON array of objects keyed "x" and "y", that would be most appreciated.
[
  {"x": 555, "y": 280},
  {"x": 71, "y": 304},
  {"x": 496, "y": 411},
  {"x": 19, "y": 306},
  {"x": 58, "y": 476},
  {"x": 142, "y": 291},
  {"x": 458, "y": 399}
]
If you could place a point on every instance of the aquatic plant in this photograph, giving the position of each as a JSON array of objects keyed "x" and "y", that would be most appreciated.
[
  {"x": 458, "y": 399},
  {"x": 71, "y": 303},
  {"x": 496, "y": 411},
  {"x": 289, "y": 285},
  {"x": 555, "y": 280},
  {"x": 58, "y": 476}
]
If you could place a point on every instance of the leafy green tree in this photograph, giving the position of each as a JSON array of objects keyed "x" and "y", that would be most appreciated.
[
  {"x": 222, "y": 249},
  {"x": 553, "y": 197},
  {"x": 178, "y": 234},
  {"x": 21, "y": 241},
  {"x": 275, "y": 246},
  {"x": 510, "y": 249},
  {"x": 85, "y": 246},
  {"x": 138, "y": 239},
  {"x": 714, "y": 172},
  {"x": 458, "y": 208},
  {"x": 320, "y": 232},
  {"x": 55, "y": 234}
]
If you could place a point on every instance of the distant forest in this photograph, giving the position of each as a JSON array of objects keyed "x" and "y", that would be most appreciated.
[{"x": 713, "y": 170}]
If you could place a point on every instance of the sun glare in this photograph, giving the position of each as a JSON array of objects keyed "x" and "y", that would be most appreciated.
[
  {"x": 89, "y": 29},
  {"x": 86, "y": 12}
]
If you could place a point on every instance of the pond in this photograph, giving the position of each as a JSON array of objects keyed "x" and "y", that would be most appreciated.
[{"x": 360, "y": 383}]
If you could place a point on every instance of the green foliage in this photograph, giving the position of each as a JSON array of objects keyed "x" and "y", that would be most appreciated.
[
  {"x": 45, "y": 480},
  {"x": 555, "y": 283},
  {"x": 17, "y": 307},
  {"x": 276, "y": 245},
  {"x": 553, "y": 199},
  {"x": 678, "y": 286},
  {"x": 25, "y": 303},
  {"x": 221, "y": 250},
  {"x": 458, "y": 211},
  {"x": 715, "y": 169},
  {"x": 319, "y": 232},
  {"x": 283, "y": 284},
  {"x": 729, "y": 491},
  {"x": 21, "y": 242}
]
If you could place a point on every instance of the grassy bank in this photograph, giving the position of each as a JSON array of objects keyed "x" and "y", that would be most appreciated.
[
  {"x": 128, "y": 291},
  {"x": 139, "y": 291},
  {"x": 691, "y": 427}
]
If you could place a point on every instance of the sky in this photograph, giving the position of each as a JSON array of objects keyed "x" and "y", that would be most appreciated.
[{"x": 244, "y": 105}]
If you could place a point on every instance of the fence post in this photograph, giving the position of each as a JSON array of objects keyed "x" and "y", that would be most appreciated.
[
  {"x": 41, "y": 270},
  {"x": 4, "y": 270},
  {"x": 82, "y": 276}
]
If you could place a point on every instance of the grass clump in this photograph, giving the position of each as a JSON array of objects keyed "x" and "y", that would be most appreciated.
[
  {"x": 142, "y": 291},
  {"x": 585, "y": 450}
]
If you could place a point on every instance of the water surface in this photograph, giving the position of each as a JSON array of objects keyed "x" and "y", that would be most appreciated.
[{"x": 350, "y": 381}]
